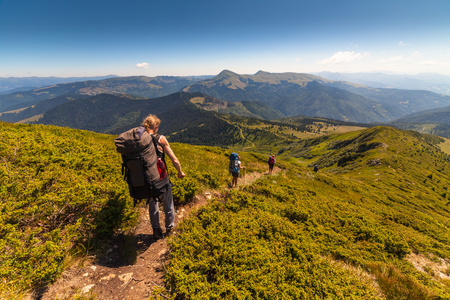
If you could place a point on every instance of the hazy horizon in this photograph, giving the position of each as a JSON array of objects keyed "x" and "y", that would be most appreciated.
[{"x": 52, "y": 38}]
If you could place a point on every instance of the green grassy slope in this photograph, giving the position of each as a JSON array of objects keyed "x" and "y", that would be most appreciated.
[
  {"x": 306, "y": 235},
  {"x": 60, "y": 192},
  {"x": 353, "y": 230}
]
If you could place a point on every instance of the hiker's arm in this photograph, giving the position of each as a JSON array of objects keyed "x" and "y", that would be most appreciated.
[{"x": 165, "y": 143}]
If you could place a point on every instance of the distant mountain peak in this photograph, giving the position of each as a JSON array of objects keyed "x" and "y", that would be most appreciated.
[
  {"x": 227, "y": 73},
  {"x": 260, "y": 72}
]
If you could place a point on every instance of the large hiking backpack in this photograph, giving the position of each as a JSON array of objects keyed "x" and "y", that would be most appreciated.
[
  {"x": 143, "y": 164},
  {"x": 271, "y": 160},
  {"x": 234, "y": 163}
]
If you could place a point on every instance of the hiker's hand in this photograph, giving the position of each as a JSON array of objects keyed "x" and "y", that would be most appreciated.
[{"x": 181, "y": 174}]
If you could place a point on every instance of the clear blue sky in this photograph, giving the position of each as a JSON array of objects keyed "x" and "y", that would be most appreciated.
[{"x": 203, "y": 37}]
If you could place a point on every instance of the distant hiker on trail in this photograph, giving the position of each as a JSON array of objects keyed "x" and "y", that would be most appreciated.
[
  {"x": 151, "y": 124},
  {"x": 316, "y": 168},
  {"x": 234, "y": 167},
  {"x": 271, "y": 162}
]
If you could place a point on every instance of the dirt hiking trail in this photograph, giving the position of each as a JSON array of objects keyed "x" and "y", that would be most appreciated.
[{"x": 133, "y": 266}]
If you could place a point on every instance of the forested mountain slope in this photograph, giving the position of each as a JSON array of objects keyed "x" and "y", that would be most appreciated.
[
  {"x": 191, "y": 118},
  {"x": 182, "y": 121},
  {"x": 373, "y": 223},
  {"x": 137, "y": 86}
]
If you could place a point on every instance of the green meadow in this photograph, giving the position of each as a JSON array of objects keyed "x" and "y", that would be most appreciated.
[{"x": 373, "y": 223}]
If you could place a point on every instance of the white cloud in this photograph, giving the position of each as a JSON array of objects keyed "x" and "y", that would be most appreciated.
[
  {"x": 402, "y": 44},
  {"x": 391, "y": 59},
  {"x": 142, "y": 65},
  {"x": 416, "y": 54},
  {"x": 432, "y": 63},
  {"x": 341, "y": 57}
]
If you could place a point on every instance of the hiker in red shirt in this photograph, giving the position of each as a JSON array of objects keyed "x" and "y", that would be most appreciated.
[{"x": 271, "y": 162}]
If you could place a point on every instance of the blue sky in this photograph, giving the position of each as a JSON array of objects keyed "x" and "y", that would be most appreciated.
[{"x": 203, "y": 37}]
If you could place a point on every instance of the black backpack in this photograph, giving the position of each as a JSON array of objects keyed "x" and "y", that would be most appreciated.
[{"x": 143, "y": 164}]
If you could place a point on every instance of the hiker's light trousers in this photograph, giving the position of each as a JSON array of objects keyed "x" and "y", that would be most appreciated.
[{"x": 153, "y": 209}]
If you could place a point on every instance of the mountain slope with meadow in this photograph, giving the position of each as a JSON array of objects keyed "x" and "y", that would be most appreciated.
[
  {"x": 373, "y": 223},
  {"x": 434, "y": 121}
]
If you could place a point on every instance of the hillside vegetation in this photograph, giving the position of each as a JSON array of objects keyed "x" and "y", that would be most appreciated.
[
  {"x": 373, "y": 223},
  {"x": 60, "y": 193},
  {"x": 379, "y": 230}
]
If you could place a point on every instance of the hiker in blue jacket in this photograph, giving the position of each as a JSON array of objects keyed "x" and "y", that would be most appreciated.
[
  {"x": 151, "y": 124},
  {"x": 235, "y": 172}
]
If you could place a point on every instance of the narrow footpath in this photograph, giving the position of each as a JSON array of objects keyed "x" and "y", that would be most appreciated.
[{"x": 119, "y": 276}]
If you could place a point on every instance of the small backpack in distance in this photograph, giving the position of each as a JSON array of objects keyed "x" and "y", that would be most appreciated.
[
  {"x": 234, "y": 163},
  {"x": 140, "y": 155}
]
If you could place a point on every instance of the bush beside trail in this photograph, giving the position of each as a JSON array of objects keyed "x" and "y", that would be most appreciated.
[{"x": 60, "y": 193}]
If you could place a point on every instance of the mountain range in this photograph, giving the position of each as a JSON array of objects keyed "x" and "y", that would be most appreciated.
[
  {"x": 9, "y": 85},
  {"x": 436, "y": 83},
  {"x": 262, "y": 95},
  {"x": 140, "y": 86}
]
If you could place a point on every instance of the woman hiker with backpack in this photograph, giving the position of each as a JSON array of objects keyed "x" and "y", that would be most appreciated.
[{"x": 151, "y": 125}]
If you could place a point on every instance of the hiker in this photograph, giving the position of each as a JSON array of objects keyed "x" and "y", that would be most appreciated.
[
  {"x": 271, "y": 163},
  {"x": 235, "y": 166},
  {"x": 316, "y": 168},
  {"x": 151, "y": 124}
]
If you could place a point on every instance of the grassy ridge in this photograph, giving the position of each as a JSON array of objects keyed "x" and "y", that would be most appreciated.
[
  {"x": 349, "y": 231},
  {"x": 304, "y": 235}
]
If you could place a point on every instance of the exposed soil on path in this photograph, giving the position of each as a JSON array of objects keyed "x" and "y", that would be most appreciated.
[{"x": 133, "y": 266}]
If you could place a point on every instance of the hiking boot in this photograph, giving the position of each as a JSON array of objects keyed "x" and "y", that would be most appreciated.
[
  {"x": 169, "y": 231},
  {"x": 157, "y": 233}
]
